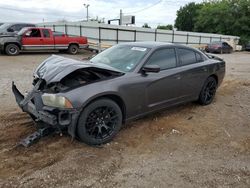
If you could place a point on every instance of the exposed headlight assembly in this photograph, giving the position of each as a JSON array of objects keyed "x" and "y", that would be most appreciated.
[{"x": 56, "y": 101}]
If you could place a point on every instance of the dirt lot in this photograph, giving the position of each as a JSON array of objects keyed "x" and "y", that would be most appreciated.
[{"x": 187, "y": 146}]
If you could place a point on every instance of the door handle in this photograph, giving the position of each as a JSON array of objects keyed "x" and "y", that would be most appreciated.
[
  {"x": 41, "y": 39},
  {"x": 204, "y": 69}
]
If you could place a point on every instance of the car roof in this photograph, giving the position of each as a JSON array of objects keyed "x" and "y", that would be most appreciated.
[
  {"x": 37, "y": 27},
  {"x": 148, "y": 44},
  {"x": 14, "y": 23},
  {"x": 155, "y": 45}
]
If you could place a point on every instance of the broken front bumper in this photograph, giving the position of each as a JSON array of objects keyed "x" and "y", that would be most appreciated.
[{"x": 57, "y": 118}]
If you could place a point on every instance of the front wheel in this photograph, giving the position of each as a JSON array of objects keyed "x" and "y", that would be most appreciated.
[
  {"x": 73, "y": 49},
  {"x": 99, "y": 122},
  {"x": 208, "y": 91},
  {"x": 12, "y": 49}
]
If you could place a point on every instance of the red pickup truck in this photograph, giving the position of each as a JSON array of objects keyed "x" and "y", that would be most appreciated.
[{"x": 34, "y": 38}]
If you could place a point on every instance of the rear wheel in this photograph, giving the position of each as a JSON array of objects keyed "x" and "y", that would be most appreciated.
[
  {"x": 12, "y": 49},
  {"x": 221, "y": 51},
  {"x": 208, "y": 91},
  {"x": 99, "y": 122},
  {"x": 73, "y": 49}
]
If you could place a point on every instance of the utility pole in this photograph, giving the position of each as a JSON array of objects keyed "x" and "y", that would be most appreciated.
[
  {"x": 120, "y": 22},
  {"x": 87, "y": 7}
]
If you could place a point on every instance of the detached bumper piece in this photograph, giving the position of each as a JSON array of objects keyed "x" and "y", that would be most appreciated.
[{"x": 36, "y": 136}]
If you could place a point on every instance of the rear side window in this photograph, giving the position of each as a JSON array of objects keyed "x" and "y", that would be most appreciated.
[
  {"x": 46, "y": 33},
  {"x": 165, "y": 58},
  {"x": 186, "y": 56},
  {"x": 199, "y": 58},
  {"x": 16, "y": 27}
]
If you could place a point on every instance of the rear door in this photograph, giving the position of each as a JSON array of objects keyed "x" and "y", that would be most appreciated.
[
  {"x": 162, "y": 88},
  {"x": 32, "y": 39},
  {"x": 48, "y": 39},
  {"x": 194, "y": 72},
  {"x": 61, "y": 41}
]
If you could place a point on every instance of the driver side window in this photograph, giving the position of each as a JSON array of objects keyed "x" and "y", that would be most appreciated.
[
  {"x": 164, "y": 58},
  {"x": 33, "y": 33}
]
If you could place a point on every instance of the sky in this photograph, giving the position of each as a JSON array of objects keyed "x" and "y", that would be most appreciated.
[{"x": 153, "y": 12}]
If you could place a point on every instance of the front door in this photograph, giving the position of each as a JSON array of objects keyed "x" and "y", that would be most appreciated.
[
  {"x": 32, "y": 39},
  {"x": 162, "y": 89}
]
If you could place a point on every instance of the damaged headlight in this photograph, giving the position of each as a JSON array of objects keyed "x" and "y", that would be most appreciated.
[{"x": 56, "y": 101}]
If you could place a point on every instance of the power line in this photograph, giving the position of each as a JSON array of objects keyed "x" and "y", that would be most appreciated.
[
  {"x": 144, "y": 8},
  {"x": 169, "y": 2}
]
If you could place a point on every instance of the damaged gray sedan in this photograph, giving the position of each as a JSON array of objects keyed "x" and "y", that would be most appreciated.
[{"x": 92, "y": 99}]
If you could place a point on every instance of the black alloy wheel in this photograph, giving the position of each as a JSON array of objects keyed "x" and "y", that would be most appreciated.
[
  {"x": 208, "y": 91},
  {"x": 99, "y": 122}
]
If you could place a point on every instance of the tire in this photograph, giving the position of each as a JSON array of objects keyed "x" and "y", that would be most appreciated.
[
  {"x": 221, "y": 51},
  {"x": 208, "y": 91},
  {"x": 73, "y": 49},
  {"x": 12, "y": 49},
  {"x": 99, "y": 122}
]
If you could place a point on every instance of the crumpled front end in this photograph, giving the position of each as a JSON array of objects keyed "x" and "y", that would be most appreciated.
[
  {"x": 51, "y": 100},
  {"x": 59, "y": 119}
]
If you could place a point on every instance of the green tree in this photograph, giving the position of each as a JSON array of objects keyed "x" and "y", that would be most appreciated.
[
  {"x": 213, "y": 18},
  {"x": 145, "y": 25},
  {"x": 186, "y": 16},
  {"x": 166, "y": 27},
  {"x": 230, "y": 17}
]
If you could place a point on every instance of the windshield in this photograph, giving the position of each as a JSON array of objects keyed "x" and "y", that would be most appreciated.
[
  {"x": 122, "y": 57},
  {"x": 22, "y": 31},
  {"x": 4, "y": 26}
]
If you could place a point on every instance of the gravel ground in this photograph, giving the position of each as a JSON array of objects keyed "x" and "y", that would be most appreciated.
[{"x": 186, "y": 146}]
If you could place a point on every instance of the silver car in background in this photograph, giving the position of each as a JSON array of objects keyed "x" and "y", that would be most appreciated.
[{"x": 13, "y": 28}]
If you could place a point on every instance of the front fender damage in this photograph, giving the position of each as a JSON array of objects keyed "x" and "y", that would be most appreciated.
[
  {"x": 58, "y": 75},
  {"x": 51, "y": 119}
]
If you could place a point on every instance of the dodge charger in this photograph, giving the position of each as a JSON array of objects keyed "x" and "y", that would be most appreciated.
[{"x": 92, "y": 99}]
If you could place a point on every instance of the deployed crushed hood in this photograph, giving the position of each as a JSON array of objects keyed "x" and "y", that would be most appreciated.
[{"x": 55, "y": 68}]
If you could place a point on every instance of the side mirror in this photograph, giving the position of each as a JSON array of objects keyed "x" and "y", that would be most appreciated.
[
  {"x": 27, "y": 34},
  {"x": 151, "y": 68},
  {"x": 10, "y": 30}
]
